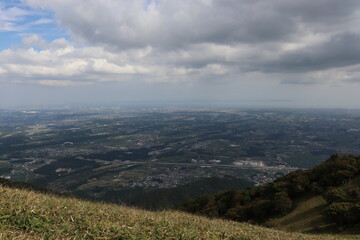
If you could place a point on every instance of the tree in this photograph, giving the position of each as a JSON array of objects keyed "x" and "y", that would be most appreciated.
[{"x": 283, "y": 203}]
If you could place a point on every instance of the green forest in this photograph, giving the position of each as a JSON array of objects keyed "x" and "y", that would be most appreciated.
[{"x": 336, "y": 180}]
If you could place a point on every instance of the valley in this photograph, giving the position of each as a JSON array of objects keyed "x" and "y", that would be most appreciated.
[{"x": 91, "y": 152}]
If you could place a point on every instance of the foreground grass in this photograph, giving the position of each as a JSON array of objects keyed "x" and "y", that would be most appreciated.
[{"x": 29, "y": 215}]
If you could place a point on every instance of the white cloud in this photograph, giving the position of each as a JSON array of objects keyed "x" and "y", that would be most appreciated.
[
  {"x": 15, "y": 17},
  {"x": 34, "y": 40},
  {"x": 61, "y": 83},
  {"x": 65, "y": 64},
  {"x": 186, "y": 41},
  {"x": 40, "y": 21},
  {"x": 10, "y": 16}
]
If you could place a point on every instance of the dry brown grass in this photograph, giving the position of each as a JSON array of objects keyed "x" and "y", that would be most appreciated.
[{"x": 29, "y": 215}]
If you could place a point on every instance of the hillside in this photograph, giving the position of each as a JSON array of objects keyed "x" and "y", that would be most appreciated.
[
  {"x": 28, "y": 214},
  {"x": 311, "y": 212},
  {"x": 323, "y": 199}
]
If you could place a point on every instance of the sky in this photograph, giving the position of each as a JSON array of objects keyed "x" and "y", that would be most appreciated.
[{"x": 276, "y": 53}]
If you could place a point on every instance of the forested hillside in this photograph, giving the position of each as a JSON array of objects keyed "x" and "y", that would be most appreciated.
[{"x": 335, "y": 182}]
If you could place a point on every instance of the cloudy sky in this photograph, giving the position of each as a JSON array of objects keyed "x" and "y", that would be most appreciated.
[{"x": 302, "y": 53}]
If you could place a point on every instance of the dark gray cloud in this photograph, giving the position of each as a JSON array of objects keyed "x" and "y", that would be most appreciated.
[
  {"x": 339, "y": 51},
  {"x": 128, "y": 23},
  {"x": 321, "y": 11},
  {"x": 192, "y": 40}
]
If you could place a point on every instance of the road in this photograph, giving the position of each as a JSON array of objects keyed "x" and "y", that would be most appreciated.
[{"x": 273, "y": 168}]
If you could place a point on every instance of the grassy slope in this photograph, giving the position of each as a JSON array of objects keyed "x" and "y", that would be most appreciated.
[
  {"x": 305, "y": 217},
  {"x": 308, "y": 213},
  {"x": 26, "y": 214}
]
